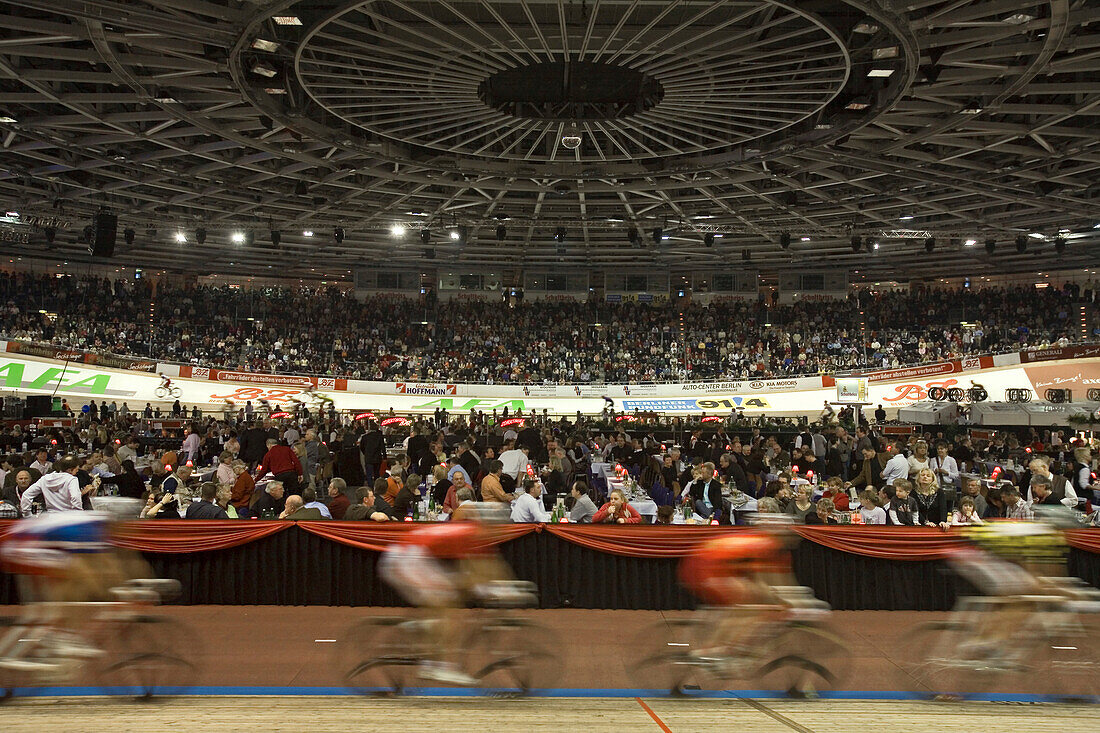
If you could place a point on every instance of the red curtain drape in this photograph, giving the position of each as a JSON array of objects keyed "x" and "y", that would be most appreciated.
[
  {"x": 377, "y": 536},
  {"x": 889, "y": 543},
  {"x": 192, "y": 535},
  {"x": 639, "y": 540},
  {"x": 1084, "y": 539}
]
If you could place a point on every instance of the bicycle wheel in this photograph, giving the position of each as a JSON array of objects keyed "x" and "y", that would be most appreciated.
[
  {"x": 160, "y": 393},
  {"x": 150, "y": 656},
  {"x": 380, "y": 655},
  {"x": 945, "y": 662},
  {"x": 803, "y": 661},
  {"x": 664, "y": 656},
  {"x": 511, "y": 653},
  {"x": 1066, "y": 660}
]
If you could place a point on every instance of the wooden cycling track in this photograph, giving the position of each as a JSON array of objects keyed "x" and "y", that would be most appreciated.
[{"x": 270, "y": 667}]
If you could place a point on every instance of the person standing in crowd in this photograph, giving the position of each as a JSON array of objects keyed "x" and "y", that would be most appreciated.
[
  {"x": 60, "y": 490},
  {"x": 282, "y": 462}
]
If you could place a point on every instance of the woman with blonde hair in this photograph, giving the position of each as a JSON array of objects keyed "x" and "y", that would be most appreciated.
[
  {"x": 617, "y": 510},
  {"x": 931, "y": 499}
]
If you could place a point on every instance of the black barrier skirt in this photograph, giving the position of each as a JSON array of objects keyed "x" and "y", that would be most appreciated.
[{"x": 297, "y": 568}]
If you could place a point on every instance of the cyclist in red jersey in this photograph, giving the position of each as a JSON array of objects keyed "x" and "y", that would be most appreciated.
[
  {"x": 739, "y": 574},
  {"x": 440, "y": 568}
]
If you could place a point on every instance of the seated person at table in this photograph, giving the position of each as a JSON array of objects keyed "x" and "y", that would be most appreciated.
[
  {"x": 617, "y": 511},
  {"x": 338, "y": 501},
  {"x": 295, "y": 509},
  {"x": 869, "y": 508},
  {"x": 801, "y": 505},
  {"x": 206, "y": 506},
  {"x": 823, "y": 513},
  {"x": 271, "y": 501},
  {"x": 704, "y": 492},
  {"x": 665, "y": 515},
  {"x": 369, "y": 507},
  {"x": 491, "y": 487},
  {"x": 309, "y": 501},
  {"x": 903, "y": 509},
  {"x": 583, "y": 509},
  {"x": 972, "y": 487},
  {"x": 967, "y": 514},
  {"x": 528, "y": 505}
]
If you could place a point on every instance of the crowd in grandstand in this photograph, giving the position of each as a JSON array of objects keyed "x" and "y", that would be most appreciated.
[
  {"x": 389, "y": 337},
  {"x": 820, "y": 473}
]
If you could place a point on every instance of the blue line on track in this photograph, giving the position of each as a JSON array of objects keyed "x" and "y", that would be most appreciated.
[{"x": 243, "y": 691}]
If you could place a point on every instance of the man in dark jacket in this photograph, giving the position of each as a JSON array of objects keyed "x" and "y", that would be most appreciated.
[
  {"x": 207, "y": 507},
  {"x": 372, "y": 448},
  {"x": 253, "y": 445}
]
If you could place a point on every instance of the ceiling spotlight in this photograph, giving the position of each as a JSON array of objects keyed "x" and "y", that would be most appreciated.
[
  {"x": 425, "y": 235},
  {"x": 929, "y": 244},
  {"x": 874, "y": 246},
  {"x": 276, "y": 237},
  {"x": 398, "y": 230},
  {"x": 632, "y": 236},
  {"x": 658, "y": 234},
  {"x": 784, "y": 240},
  {"x": 1021, "y": 243},
  {"x": 307, "y": 232},
  {"x": 51, "y": 234},
  {"x": 708, "y": 239},
  {"x": 502, "y": 232},
  {"x": 454, "y": 235},
  {"x": 970, "y": 242},
  {"x": 128, "y": 235},
  {"x": 200, "y": 235},
  {"x": 286, "y": 20},
  {"x": 262, "y": 45},
  {"x": 338, "y": 235},
  {"x": 262, "y": 69},
  {"x": 559, "y": 235},
  {"x": 237, "y": 237},
  {"x": 429, "y": 254},
  {"x": 249, "y": 237},
  {"x": 1059, "y": 244},
  {"x": 746, "y": 255},
  {"x": 857, "y": 244},
  {"x": 990, "y": 245},
  {"x": 181, "y": 238},
  {"x": 461, "y": 234},
  {"x": 571, "y": 142},
  {"x": 804, "y": 239}
]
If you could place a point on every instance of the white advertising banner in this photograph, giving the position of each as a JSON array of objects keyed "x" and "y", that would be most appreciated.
[{"x": 803, "y": 396}]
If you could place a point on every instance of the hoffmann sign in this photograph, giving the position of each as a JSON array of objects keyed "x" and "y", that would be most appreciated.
[{"x": 213, "y": 388}]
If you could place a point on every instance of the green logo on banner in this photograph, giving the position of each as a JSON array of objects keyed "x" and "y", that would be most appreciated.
[
  {"x": 448, "y": 403},
  {"x": 13, "y": 376}
]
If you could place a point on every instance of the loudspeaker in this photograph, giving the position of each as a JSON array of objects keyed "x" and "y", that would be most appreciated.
[
  {"x": 38, "y": 406},
  {"x": 104, "y": 231}
]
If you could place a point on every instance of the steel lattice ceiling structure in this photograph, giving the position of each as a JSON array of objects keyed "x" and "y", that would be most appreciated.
[{"x": 961, "y": 120}]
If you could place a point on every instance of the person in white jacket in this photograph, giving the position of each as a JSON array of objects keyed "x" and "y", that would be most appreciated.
[
  {"x": 528, "y": 505},
  {"x": 60, "y": 490},
  {"x": 945, "y": 467}
]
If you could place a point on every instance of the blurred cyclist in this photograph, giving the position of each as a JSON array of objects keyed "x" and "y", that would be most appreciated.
[
  {"x": 441, "y": 567},
  {"x": 742, "y": 574},
  {"x": 66, "y": 558}
]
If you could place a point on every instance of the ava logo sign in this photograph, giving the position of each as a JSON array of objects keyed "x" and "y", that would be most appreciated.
[{"x": 41, "y": 377}]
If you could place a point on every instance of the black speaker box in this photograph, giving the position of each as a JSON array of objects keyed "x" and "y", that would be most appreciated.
[
  {"x": 39, "y": 406},
  {"x": 104, "y": 232}
]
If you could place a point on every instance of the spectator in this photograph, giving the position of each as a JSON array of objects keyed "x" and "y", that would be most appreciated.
[
  {"x": 271, "y": 501},
  {"x": 869, "y": 509},
  {"x": 966, "y": 514},
  {"x": 903, "y": 509},
  {"x": 60, "y": 490},
  {"x": 583, "y": 508},
  {"x": 282, "y": 462},
  {"x": 296, "y": 511},
  {"x": 338, "y": 502},
  {"x": 368, "y": 507},
  {"x": 491, "y": 485},
  {"x": 617, "y": 511},
  {"x": 528, "y": 506},
  {"x": 206, "y": 506},
  {"x": 309, "y": 499}
]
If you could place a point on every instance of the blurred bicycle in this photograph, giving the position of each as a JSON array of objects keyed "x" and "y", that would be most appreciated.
[
  {"x": 1033, "y": 628},
  {"x": 441, "y": 569},
  {"x": 86, "y": 613},
  {"x": 759, "y": 627}
]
